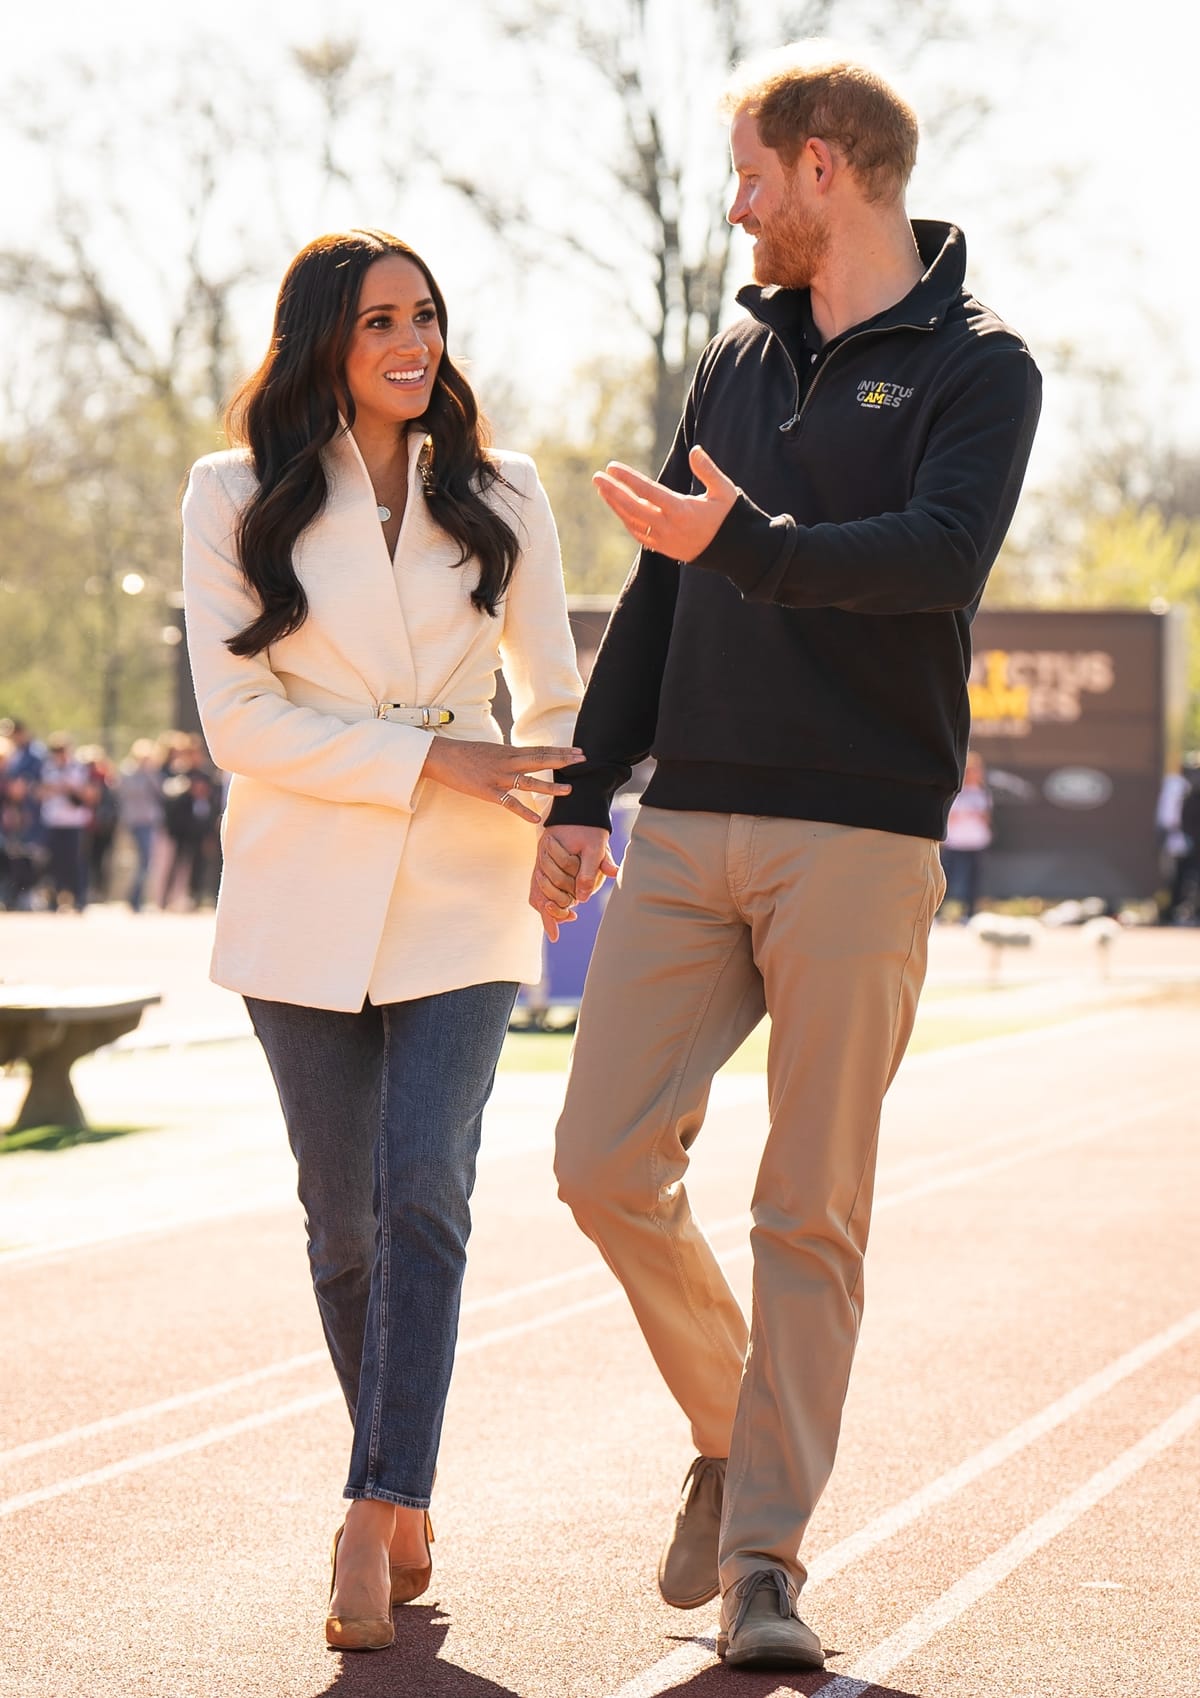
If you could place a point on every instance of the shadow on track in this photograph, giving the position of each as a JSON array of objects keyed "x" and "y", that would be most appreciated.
[
  {"x": 411, "y": 1668},
  {"x": 719, "y": 1682}
]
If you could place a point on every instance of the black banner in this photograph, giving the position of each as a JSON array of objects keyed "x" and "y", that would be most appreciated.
[{"x": 1076, "y": 716}]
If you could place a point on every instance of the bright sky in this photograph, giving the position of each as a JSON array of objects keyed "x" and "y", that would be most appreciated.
[{"x": 1092, "y": 85}]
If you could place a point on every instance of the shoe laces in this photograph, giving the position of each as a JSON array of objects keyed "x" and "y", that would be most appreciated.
[
  {"x": 755, "y": 1583},
  {"x": 694, "y": 1479}
]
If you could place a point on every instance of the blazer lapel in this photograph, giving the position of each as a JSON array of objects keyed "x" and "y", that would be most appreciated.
[{"x": 343, "y": 563}]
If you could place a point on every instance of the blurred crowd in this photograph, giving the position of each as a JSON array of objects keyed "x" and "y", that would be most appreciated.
[
  {"x": 77, "y": 826},
  {"x": 969, "y": 837}
]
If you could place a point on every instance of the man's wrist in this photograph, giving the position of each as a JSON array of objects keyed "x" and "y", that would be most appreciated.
[
  {"x": 581, "y": 807},
  {"x": 746, "y": 545}
]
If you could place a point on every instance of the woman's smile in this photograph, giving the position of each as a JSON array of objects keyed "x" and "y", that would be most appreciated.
[{"x": 396, "y": 345}]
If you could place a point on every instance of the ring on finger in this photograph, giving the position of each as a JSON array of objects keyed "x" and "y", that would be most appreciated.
[
  {"x": 646, "y": 532},
  {"x": 508, "y": 796}
]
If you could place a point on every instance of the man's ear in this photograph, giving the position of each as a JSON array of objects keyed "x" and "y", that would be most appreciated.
[{"x": 821, "y": 162}]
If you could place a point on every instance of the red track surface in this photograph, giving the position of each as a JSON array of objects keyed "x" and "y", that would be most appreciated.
[{"x": 1038, "y": 1220}]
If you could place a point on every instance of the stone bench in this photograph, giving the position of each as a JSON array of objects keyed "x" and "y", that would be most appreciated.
[{"x": 51, "y": 1028}]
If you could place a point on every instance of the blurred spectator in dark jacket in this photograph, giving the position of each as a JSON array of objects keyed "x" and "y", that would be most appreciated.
[{"x": 192, "y": 812}]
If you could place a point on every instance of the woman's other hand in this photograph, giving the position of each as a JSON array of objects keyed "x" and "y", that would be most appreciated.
[{"x": 494, "y": 772}]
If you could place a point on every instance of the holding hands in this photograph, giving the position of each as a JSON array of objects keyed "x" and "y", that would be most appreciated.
[
  {"x": 678, "y": 526},
  {"x": 572, "y": 862}
]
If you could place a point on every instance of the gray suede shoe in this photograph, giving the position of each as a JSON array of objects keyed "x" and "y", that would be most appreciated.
[
  {"x": 687, "y": 1569},
  {"x": 760, "y": 1628}
]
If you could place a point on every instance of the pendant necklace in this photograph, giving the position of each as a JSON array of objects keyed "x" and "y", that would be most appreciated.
[{"x": 385, "y": 513}]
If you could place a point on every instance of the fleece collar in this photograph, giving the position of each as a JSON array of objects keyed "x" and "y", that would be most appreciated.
[{"x": 943, "y": 252}]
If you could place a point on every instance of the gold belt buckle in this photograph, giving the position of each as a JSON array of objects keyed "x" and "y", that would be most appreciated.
[{"x": 430, "y": 716}]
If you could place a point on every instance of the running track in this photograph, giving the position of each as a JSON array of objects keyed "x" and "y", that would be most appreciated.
[{"x": 1014, "y": 1513}]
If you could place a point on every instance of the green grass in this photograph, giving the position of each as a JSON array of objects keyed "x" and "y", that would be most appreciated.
[
  {"x": 535, "y": 1052},
  {"x": 47, "y": 1139},
  {"x": 547, "y": 1052},
  {"x": 945, "y": 1032}
]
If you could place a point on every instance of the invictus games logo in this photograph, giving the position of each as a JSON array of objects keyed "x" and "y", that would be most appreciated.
[
  {"x": 1012, "y": 690},
  {"x": 879, "y": 394}
]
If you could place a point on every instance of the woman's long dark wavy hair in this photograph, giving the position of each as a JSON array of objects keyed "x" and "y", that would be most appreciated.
[{"x": 288, "y": 411}]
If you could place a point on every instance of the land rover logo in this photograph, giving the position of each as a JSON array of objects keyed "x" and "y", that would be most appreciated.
[{"x": 1077, "y": 787}]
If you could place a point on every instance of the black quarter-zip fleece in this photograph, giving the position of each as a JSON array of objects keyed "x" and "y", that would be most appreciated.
[{"x": 812, "y": 663}]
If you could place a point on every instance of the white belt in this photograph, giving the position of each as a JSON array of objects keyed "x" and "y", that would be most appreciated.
[{"x": 401, "y": 713}]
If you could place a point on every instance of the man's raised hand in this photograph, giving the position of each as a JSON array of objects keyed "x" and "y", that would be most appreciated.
[{"x": 678, "y": 526}]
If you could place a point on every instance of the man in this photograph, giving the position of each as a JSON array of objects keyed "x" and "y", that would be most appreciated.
[{"x": 793, "y": 647}]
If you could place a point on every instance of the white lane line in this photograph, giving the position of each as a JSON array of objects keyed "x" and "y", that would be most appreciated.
[
  {"x": 585, "y": 1270},
  {"x": 166, "y": 1452},
  {"x": 313, "y": 1358},
  {"x": 269, "y": 1201},
  {"x": 923, "y": 1164},
  {"x": 877, "y": 1664},
  {"x": 688, "y": 1659},
  {"x": 676, "y": 1667},
  {"x": 1009, "y": 1040},
  {"x": 1041, "y": 1146},
  {"x": 697, "y": 1654},
  {"x": 284, "y": 1411},
  {"x": 550, "y": 1282},
  {"x": 466, "y": 1347},
  {"x": 737, "y": 1088},
  {"x": 883, "y": 1527},
  {"x": 534, "y": 1288},
  {"x": 1030, "y": 1141},
  {"x": 164, "y": 1406}
]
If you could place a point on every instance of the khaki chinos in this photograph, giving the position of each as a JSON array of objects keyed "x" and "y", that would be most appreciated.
[{"x": 716, "y": 919}]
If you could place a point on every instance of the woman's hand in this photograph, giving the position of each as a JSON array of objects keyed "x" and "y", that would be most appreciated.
[{"x": 494, "y": 772}]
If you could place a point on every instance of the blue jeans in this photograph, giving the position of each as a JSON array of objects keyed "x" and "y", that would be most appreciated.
[
  {"x": 68, "y": 865},
  {"x": 962, "y": 868},
  {"x": 143, "y": 839},
  {"x": 383, "y": 1111}
]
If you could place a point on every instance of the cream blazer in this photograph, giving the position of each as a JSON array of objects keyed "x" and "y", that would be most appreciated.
[{"x": 346, "y": 875}]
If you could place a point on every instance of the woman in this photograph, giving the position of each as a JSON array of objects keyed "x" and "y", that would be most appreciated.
[
  {"x": 968, "y": 837},
  {"x": 355, "y": 572}
]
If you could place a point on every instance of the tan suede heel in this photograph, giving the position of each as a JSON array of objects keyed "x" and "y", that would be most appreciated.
[
  {"x": 355, "y": 1633},
  {"x": 410, "y": 1580}
]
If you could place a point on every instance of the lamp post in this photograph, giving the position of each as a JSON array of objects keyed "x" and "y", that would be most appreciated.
[
  {"x": 129, "y": 584},
  {"x": 186, "y": 714}
]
